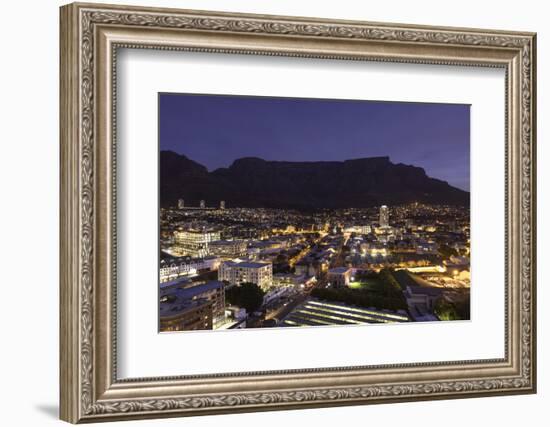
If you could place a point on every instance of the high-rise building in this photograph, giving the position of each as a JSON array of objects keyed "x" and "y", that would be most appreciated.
[
  {"x": 181, "y": 204},
  {"x": 193, "y": 315},
  {"x": 193, "y": 308},
  {"x": 222, "y": 204},
  {"x": 384, "y": 216},
  {"x": 202, "y": 204}
]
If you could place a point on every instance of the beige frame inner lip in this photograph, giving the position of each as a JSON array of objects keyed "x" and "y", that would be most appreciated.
[{"x": 108, "y": 40}]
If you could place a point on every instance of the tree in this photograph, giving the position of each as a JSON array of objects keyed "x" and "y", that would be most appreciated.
[
  {"x": 280, "y": 259},
  {"x": 247, "y": 295},
  {"x": 391, "y": 286},
  {"x": 362, "y": 298},
  {"x": 232, "y": 295},
  {"x": 462, "y": 308},
  {"x": 445, "y": 310},
  {"x": 446, "y": 251}
]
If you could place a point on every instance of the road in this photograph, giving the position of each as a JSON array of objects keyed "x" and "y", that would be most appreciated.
[{"x": 285, "y": 309}]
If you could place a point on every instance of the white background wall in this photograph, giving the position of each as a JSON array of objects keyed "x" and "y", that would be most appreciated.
[{"x": 29, "y": 170}]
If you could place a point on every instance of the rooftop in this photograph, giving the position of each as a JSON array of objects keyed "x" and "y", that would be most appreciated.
[
  {"x": 197, "y": 231},
  {"x": 424, "y": 290},
  {"x": 339, "y": 270},
  {"x": 167, "y": 259},
  {"x": 193, "y": 291},
  {"x": 175, "y": 282},
  {"x": 177, "y": 307},
  {"x": 321, "y": 313},
  {"x": 247, "y": 264},
  {"x": 227, "y": 242}
]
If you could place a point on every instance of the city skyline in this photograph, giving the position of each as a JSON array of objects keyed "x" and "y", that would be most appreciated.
[
  {"x": 210, "y": 130},
  {"x": 232, "y": 268}
]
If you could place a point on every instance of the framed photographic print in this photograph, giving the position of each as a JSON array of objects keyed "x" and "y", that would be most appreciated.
[{"x": 264, "y": 212}]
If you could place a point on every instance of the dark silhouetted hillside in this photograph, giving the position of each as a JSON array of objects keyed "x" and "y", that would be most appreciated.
[{"x": 253, "y": 182}]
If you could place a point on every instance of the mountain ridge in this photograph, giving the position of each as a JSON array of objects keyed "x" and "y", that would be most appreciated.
[{"x": 255, "y": 182}]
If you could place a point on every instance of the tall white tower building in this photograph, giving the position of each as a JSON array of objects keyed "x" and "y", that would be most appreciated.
[
  {"x": 203, "y": 204},
  {"x": 384, "y": 216},
  {"x": 181, "y": 204},
  {"x": 222, "y": 204}
]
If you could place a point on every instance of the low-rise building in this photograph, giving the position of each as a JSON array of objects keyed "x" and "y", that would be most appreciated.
[
  {"x": 426, "y": 247},
  {"x": 359, "y": 229},
  {"x": 457, "y": 264},
  {"x": 312, "y": 267},
  {"x": 339, "y": 277},
  {"x": 228, "y": 248},
  {"x": 420, "y": 294},
  {"x": 421, "y": 301},
  {"x": 172, "y": 268},
  {"x": 236, "y": 313},
  {"x": 288, "y": 279},
  {"x": 276, "y": 293}
]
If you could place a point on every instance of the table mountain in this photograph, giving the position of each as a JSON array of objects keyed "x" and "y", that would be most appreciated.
[{"x": 254, "y": 182}]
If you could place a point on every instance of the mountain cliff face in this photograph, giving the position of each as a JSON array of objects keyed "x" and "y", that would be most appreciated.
[{"x": 253, "y": 182}]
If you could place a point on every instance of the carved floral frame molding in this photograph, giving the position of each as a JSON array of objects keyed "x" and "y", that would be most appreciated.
[{"x": 90, "y": 390}]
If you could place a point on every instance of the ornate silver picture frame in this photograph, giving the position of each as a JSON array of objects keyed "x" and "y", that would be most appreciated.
[{"x": 90, "y": 388}]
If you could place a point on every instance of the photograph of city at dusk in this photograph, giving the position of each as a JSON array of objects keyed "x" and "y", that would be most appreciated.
[{"x": 296, "y": 212}]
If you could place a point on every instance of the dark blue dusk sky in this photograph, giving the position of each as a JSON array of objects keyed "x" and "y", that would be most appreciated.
[{"x": 216, "y": 130}]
